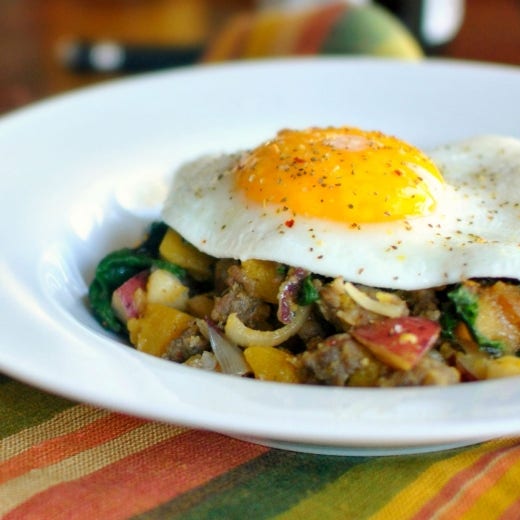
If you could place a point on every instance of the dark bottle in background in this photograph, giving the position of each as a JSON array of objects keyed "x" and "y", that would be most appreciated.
[{"x": 435, "y": 23}]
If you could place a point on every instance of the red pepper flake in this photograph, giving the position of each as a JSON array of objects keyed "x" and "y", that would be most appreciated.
[
  {"x": 289, "y": 223},
  {"x": 298, "y": 160}
]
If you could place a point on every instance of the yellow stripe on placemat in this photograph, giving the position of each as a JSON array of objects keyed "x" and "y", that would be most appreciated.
[
  {"x": 19, "y": 490},
  {"x": 412, "y": 499},
  {"x": 263, "y": 31},
  {"x": 63, "y": 423}
]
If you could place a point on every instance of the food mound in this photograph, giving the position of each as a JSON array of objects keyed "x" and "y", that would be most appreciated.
[
  {"x": 331, "y": 256},
  {"x": 296, "y": 327}
]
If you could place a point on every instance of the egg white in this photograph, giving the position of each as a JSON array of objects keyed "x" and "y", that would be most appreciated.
[{"x": 474, "y": 231}]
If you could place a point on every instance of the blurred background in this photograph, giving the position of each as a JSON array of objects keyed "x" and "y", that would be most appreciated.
[{"x": 51, "y": 46}]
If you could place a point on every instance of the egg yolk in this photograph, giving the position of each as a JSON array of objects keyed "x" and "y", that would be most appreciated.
[{"x": 342, "y": 174}]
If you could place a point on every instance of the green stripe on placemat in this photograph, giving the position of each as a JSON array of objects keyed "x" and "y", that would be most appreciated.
[
  {"x": 4, "y": 378},
  {"x": 370, "y": 30},
  {"x": 384, "y": 477},
  {"x": 262, "y": 488},
  {"x": 22, "y": 406},
  {"x": 290, "y": 486}
]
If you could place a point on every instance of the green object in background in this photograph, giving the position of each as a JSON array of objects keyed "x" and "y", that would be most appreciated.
[{"x": 371, "y": 30}]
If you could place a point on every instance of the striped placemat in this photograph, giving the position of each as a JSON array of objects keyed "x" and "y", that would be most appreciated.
[
  {"x": 63, "y": 460},
  {"x": 334, "y": 28}
]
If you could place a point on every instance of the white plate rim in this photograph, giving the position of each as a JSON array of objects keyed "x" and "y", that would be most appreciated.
[{"x": 40, "y": 307}]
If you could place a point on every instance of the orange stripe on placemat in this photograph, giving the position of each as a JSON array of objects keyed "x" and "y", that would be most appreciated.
[
  {"x": 20, "y": 489},
  {"x": 142, "y": 480},
  {"x": 55, "y": 449},
  {"x": 498, "y": 498},
  {"x": 318, "y": 27},
  {"x": 461, "y": 491}
]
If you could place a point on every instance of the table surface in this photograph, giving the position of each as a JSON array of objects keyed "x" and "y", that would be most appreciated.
[{"x": 31, "y": 31}]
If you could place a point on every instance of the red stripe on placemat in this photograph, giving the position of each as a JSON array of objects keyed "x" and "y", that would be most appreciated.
[
  {"x": 317, "y": 28},
  {"x": 141, "y": 481},
  {"x": 63, "y": 446},
  {"x": 464, "y": 488}
]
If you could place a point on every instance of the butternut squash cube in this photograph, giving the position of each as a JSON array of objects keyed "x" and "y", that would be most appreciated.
[
  {"x": 157, "y": 327},
  {"x": 506, "y": 366},
  {"x": 200, "y": 305},
  {"x": 265, "y": 278},
  {"x": 271, "y": 364},
  {"x": 180, "y": 252}
]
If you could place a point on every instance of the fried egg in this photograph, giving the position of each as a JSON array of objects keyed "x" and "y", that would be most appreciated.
[{"x": 358, "y": 204}]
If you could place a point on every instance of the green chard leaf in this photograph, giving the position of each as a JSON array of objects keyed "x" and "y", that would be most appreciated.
[
  {"x": 448, "y": 320},
  {"x": 308, "y": 293},
  {"x": 467, "y": 307},
  {"x": 119, "y": 266}
]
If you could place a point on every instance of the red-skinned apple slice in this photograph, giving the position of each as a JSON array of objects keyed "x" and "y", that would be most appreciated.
[
  {"x": 125, "y": 300},
  {"x": 398, "y": 342}
]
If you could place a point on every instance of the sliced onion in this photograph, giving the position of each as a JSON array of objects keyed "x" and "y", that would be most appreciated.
[
  {"x": 386, "y": 304},
  {"x": 237, "y": 332},
  {"x": 230, "y": 358}
]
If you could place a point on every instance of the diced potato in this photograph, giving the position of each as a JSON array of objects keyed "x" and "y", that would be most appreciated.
[
  {"x": 271, "y": 364},
  {"x": 157, "y": 327},
  {"x": 206, "y": 361},
  {"x": 508, "y": 297},
  {"x": 165, "y": 288},
  {"x": 177, "y": 251},
  {"x": 498, "y": 318},
  {"x": 266, "y": 278},
  {"x": 491, "y": 323},
  {"x": 200, "y": 305}
]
